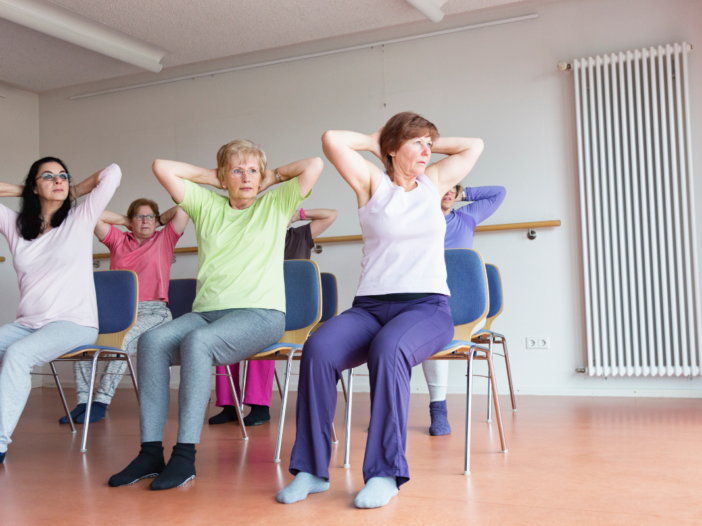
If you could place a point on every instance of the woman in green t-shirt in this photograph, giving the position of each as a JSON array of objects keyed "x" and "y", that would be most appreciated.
[{"x": 239, "y": 309}]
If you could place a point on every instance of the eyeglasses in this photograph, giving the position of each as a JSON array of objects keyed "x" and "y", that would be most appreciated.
[
  {"x": 48, "y": 176},
  {"x": 240, "y": 172},
  {"x": 142, "y": 217}
]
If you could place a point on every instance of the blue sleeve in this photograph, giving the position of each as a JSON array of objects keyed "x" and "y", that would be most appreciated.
[{"x": 486, "y": 200}]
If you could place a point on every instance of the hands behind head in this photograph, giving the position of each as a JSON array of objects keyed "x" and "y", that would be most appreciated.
[{"x": 376, "y": 143}]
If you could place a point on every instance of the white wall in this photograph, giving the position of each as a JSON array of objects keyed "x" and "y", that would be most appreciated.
[
  {"x": 19, "y": 144},
  {"x": 500, "y": 84}
]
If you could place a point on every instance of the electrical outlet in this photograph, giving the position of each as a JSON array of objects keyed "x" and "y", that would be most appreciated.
[{"x": 537, "y": 342}]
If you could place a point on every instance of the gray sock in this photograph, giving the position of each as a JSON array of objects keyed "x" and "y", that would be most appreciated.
[
  {"x": 376, "y": 493},
  {"x": 301, "y": 486}
]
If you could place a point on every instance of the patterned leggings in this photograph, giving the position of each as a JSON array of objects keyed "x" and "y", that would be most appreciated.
[{"x": 151, "y": 314}]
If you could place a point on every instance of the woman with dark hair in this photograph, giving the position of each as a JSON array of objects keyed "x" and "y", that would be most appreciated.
[
  {"x": 149, "y": 253},
  {"x": 52, "y": 252},
  {"x": 400, "y": 316}
]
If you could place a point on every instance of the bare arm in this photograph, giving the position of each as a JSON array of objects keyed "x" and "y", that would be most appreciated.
[
  {"x": 86, "y": 186},
  {"x": 172, "y": 173},
  {"x": 341, "y": 148},
  {"x": 11, "y": 190},
  {"x": 322, "y": 218},
  {"x": 307, "y": 171},
  {"x": 177, "y": 217},
  {"x": 107, "y": 218},
  {"x": 462, "y": 154}
]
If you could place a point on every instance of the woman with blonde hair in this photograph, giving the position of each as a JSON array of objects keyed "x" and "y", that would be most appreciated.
[
  {"x": 239, "y": 308},
  {"x": 400, "y": 316}
]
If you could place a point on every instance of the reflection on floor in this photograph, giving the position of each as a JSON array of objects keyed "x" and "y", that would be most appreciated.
[{"x": 571, "y": 461}]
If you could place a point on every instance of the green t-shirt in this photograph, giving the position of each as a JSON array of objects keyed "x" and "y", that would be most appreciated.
[{"x": 240, "y": 256}]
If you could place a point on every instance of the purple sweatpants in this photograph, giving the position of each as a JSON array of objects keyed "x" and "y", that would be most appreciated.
[
  {"x": 259, "y": 383},
  {"x": 392, "y": 337}
]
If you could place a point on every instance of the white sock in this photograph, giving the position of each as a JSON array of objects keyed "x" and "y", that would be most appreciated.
[{"x": 436, "y": 373}]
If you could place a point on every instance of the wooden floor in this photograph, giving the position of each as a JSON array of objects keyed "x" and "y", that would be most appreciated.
[{"x": 601, "y": 461}]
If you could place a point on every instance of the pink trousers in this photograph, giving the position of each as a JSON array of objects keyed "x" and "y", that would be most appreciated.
[{"x": 259, "y": 383}]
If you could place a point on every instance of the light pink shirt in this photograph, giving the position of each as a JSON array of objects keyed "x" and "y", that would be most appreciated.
[
  {"x": 151, "y": 261},
  {"x": 55, "y": 271}
]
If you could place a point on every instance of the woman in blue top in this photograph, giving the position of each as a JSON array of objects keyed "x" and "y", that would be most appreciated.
[{"x": 460, "y": 229}]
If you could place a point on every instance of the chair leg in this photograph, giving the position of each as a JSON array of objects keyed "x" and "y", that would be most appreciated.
[
  {"x": 93, "y": 369},
  {"x": 63, "y": 398},
  {"x": 283, "y": 404},
  {"x": 503, "y": 340},
  {"x": 489, "y": 385},
  {"x": 343, "y": 389},
  {"x": 469, "y": 400},
  {"x": 243, "y": 383},
  {"x": 237, "y": 406},
  {"x": 335, "y": 440},
  {"x": 134, "y": 378},
  {"x": 280, "y": 391},
  {"x": 349, "y": 401},
  {"x": 497, "y": 403}
]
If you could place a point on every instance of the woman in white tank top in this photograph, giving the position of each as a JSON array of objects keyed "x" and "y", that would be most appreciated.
[{"x": 400, "y": 316}]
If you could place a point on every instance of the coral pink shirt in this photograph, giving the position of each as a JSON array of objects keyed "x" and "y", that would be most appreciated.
[{"x": 151, "y": 260}]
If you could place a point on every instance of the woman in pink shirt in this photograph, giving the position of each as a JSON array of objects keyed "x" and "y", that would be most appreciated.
[
  {"x": 149, "y": 253},
  {"x": 51, "y": 244}
]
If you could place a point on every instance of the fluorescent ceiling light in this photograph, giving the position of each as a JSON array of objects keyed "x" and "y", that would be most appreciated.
[
  {"x": 62, "y": 23},
  {"x": 429, "y": 8}
]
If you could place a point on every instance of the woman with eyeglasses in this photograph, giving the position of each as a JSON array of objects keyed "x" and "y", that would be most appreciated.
[
  {"x": 51, "y": 244},
  {"x": 239, "y": 309},
  {"x": 149, "y": 253}
]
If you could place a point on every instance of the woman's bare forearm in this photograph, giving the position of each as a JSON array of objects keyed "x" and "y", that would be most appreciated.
[
  {"x": 11, "y": 190},
  {"x": 113, "y": 218}
]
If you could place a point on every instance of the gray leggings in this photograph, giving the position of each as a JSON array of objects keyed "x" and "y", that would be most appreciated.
[
  {"x": 21, "y": 349},
  {"x": 151, "y": 314},
  {"x": 196, "y": 342}
]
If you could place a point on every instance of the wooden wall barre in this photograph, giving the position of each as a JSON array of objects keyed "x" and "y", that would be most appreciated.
[
  {"x": 2, "y": 259},
  {"x": 348, "y": 239}
]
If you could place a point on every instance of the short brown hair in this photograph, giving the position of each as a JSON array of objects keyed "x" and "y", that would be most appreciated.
[
  {"x": 136, "y": 205},
  {"x": 242, "y": 148},
  {"x": 401, "y": 128},
  {"x": 458, "y": 189}
]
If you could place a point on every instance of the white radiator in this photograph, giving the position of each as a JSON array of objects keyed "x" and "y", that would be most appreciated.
[{"x": 638, "y": 215}]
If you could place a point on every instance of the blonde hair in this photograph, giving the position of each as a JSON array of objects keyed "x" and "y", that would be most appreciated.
[
  {"x": 242, "y": 149},
  {"x": 136, "y": 205}
]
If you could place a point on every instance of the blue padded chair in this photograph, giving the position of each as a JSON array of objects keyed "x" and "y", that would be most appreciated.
[
  {"x": 467, "y": 281},
  {"x": 117, "y": 293},
  {"x": 330, "y": 308},
  {"x": 487, "y": 336},
  {"x": 303, "y": 306},
  {"x": 181, "y": 295}
]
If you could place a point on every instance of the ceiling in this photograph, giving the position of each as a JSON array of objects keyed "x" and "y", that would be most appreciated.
[{"x": 195, "y": 32}]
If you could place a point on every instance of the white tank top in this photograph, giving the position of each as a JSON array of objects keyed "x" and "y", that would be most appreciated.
[{"x": 403, "y": 240}]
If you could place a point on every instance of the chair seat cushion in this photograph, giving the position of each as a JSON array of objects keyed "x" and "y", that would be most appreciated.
[
  {"x": 276, "y": 347},
  {"x": 88, "y": 348}
]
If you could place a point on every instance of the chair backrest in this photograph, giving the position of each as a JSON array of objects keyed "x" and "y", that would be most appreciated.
[
  {"x": 117, "y": 293},
  {"x": 303, "y": 299},
  {"x": 467, "y": 282},
  {"x": 330, "y": 296},
  {"x": 497, "y": 303},
  {"x": 181, "y": 295}
]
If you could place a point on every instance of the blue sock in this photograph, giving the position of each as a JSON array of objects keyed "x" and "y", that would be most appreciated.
[
  {"x": 439, "y": 419},
  {"x": 2, "y": 458},
  {"x": 376, "y": 493},
  {"x": 78, "y": 411},
  {"x": 97, "y": 413}
]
